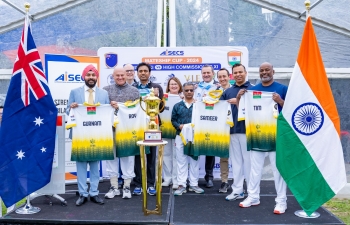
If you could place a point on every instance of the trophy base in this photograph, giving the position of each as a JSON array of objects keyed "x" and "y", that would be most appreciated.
[{"x": 153, "y": 136}]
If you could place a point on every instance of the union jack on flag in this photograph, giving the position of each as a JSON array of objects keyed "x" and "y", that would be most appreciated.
[
  {"x": 28, "y": 63},
  {"x": 28, "y": 128}
]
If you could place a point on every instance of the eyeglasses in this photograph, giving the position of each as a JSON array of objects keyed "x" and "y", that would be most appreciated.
[
  {"x": 189, "y": 90},
  {"x": 129, "y": 71}
]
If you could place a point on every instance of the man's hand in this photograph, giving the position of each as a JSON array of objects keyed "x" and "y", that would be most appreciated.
[
  {"x": 181, "y": 126},
  {"x": 277, "y": 98},
  {"x": 240, "y": 94},
  {"x": 114, "y": 104},
  {"x": 232, "y": 101},
  {"x": 73, "y": 105}
]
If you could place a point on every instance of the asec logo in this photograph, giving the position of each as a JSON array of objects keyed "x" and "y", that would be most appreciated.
[
  {"x": 166, "y": 53},
  {"x": 76, "y": 78}
]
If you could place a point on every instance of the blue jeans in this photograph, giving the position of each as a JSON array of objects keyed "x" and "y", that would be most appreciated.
[{"x": 82, "y": 176}]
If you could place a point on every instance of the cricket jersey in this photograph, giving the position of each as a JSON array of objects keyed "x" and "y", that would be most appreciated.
[
  {"x": 260, "y": 113},
  {"x": 212, "y": 124},
  {"x": 167, "y": 128},
  {"x": 92, "y": 138},
  {"x": 130, "y": 127}
]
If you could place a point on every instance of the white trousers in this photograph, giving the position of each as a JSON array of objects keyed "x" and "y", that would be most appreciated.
[
  {"x": 257, "y": 163},
  {"x": 240, "y": 161},
  {"x": 126, "y": 165},
  {"x": 182, "y": 165},
  {"x": 169, "y": 162}
]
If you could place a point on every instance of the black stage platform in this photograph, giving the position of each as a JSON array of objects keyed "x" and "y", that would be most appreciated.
[{"x": 190, "y": 208}]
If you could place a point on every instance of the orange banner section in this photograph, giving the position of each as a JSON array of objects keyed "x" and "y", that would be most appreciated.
[{"x": 172, "y": 60}]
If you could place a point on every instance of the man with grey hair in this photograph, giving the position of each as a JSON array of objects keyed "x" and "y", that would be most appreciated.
[
  {"x": 130, "y": 73},
  {"x": 120, "y": 92}
]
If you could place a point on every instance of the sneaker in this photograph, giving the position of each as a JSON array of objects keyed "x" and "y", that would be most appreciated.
[
  {"x": 196, "y": 189},
  {"x": 151, "y": 191},
  {"x": 180, "y": 190},
  {"x": 280, "y": 208},
  {"x": 126, "y": 192},
  {"x": 209, "y": 184},
  {"x": 249, "y": 202},
  {"x": 175, "y": 186},
  {"x": 234, "y": 196},
  {"x": 166, "y": 183},
  {"x": 112, "y": 192},
  {"x": 137, "y": 191},
  {"x": 224, "y": 187}
]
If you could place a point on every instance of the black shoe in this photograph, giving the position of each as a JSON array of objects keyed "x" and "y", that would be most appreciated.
[
  {"x": 224, "y": 187},
  {"x": 96, "y": 199},
  {"x": 209, "y": 184},
  {"x": 81, "y": 200}
]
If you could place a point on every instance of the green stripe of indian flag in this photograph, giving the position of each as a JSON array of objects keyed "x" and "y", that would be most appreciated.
[{"x": 318, "y": 162}]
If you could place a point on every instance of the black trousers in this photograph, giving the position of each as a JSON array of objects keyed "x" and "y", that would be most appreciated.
[
  {"x": 151, "y": 168},
  {"x": 209, "y": 167}
]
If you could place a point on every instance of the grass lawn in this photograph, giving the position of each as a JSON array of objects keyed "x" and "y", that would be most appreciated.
[{"x": 340, "y": 208}]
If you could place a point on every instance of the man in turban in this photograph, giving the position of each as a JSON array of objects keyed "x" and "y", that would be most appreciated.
[{"x": 91, "y": 94}]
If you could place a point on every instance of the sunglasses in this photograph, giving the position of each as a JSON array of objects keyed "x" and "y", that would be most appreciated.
[{"x": 189, "y": 90}]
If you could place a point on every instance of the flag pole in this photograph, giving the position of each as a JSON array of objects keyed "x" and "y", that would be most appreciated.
[
  {"x": 27, "y": 208},
  {"x": 302, "y": 213}
]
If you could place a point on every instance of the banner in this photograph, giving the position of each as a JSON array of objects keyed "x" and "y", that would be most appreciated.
[{"x": 184, "y": 63}]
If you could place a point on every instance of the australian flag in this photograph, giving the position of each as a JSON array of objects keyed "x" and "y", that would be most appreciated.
[{"x": 28, "y": 126}]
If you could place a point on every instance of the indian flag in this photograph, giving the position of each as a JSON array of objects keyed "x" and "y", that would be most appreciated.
[
  {"x": 233, "y": 57},
  {"x": 309, "y": 154}
]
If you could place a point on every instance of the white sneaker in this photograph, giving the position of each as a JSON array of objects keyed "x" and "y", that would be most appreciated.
[
  {"x": 126, "y": 192},
  {"x": 112, "y": 192},
  {"x": 280, "y": 208},
  {"x": 175, "y": 186},
  {"x": 234, "y": 196},
  {"x": 166, "y": 183},
  {"x": 249, "y": 202}
]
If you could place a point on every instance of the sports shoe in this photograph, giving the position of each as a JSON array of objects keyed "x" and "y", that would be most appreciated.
[
  {"x": 175, "y": 186},
  {"x": 151, "y": 191},
  {"x": 249, "y": 202},
  {"x": 180, "y": 190},
  {"x": 224, "y": 187},
  {"x": 112, "y": 192},
  {"x": 280, "y": 208},
  {"x": 209, "y": 184},
  {"x": 126, "y": 192},
  {"x": 234, "y": 196},
  {"x": 137, "y": 191},
  {"x": 166, "y": 183},
  {"x": 196, "y": 189}
]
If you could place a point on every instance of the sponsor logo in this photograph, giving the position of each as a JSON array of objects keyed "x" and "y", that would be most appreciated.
[
  {"x": 69, "y": 78},
  {"x": 132, "y": 116},
  {"x": 172, "y": 53}
]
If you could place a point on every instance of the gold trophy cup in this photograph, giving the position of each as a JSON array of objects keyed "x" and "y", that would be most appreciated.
[{"x": 153, "y": 134}]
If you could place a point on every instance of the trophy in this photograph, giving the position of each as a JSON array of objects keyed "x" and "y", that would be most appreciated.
[{"x": 153, "y": 134}]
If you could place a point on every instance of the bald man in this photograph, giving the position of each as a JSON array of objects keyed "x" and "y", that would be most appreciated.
[
  {"x": 257, "y": 156},
  {"x": 120, "y": 92}
]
